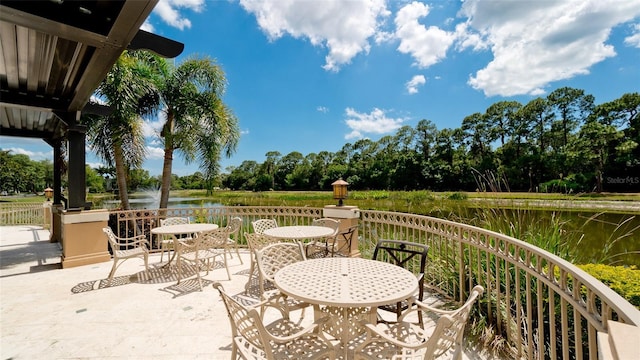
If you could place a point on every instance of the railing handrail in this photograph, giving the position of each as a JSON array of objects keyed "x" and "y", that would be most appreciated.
[{"x": 630, "y": 313}]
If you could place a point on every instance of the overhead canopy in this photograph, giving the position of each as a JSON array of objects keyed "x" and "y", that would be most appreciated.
[{"x": 55, "y": 54}]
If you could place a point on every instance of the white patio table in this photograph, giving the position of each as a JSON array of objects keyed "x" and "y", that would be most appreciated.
[
  {"x": 346, "y": 289},
  {"x": 299, "y": 232},
  {"x": 181, "y": 229}
]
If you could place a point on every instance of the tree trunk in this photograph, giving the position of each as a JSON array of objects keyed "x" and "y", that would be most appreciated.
[
  {"x": 166, "y": 176},
  {"x": 121, "y": 178}
]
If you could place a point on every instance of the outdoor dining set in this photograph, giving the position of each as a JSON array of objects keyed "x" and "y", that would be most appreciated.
[{"x": 361, "y": 308}]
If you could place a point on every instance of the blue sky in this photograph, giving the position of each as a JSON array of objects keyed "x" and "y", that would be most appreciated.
[{"x": 310, "y": 76}]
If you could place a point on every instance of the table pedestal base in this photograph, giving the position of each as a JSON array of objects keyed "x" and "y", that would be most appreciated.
[{"x": 344, "y": 324}]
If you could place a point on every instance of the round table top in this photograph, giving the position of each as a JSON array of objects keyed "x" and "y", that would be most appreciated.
[
  {"x": 183, "y": 229},
  {"x": 299, "y": 232},
  {"x": 346, "y": 282}
]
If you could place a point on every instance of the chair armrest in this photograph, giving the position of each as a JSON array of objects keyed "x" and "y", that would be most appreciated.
[
  {"x": 477, "y": 291},
  {"x": 312, "y": 329},
  {"x": 272, "y": 302},
  {"x": 134, "y": 240},
  {"x": 186, "y": 244},
  {"x": 374, "y": 333}
]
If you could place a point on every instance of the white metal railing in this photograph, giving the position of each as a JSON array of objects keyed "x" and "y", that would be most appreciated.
[
  {"x": 544, "y": 306},
  {"x": 21, "y": 214},
  {"x": 134, "y": 222}
]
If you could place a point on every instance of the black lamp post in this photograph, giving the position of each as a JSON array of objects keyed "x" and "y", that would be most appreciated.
[{"x": 340, "y": 190}]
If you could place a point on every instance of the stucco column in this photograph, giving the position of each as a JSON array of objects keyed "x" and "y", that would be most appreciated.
[
  {"x": 348, "y": 217},
  {"x": 83, "y": 241}
]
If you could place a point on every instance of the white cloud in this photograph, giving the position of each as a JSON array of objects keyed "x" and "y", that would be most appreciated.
[
  {"x": 427, "y": 46},
  {"x": 155, "y": 153},
  {"x": 344, "y": 27},
  {"x": 535, "y": 43},
  {"x": 168, "y": 12},
  {"x": 147, "y": 26},
  {"x": 375, "y": 122},
  {"x": 244, "y": 132},
  {"x": 322, "y": 109},
  {"x": 412, "y": 85},
  {"x": 95, "y": 165},
  {"x": 634, "y": 39},
  {"x": 151, "y": 128},
  {"x": 33, "y": 155}
]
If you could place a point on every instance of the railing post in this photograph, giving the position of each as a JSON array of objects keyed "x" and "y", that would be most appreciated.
[
  {"x": 46, "y": 222},
  {"x": 348, "y": 217},
  {"x": 56, "y": 223}
]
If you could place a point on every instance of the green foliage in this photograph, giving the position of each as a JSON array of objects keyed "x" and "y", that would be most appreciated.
[
  {"x": 621, "y": 279},
  {"x": 95, "y": 182},
  {"x": 19, "y": 174},
  {"x": 571, "y": 184},
  {"x": 458, "y": 196}
]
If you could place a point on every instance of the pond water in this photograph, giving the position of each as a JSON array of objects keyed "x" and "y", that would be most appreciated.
[{"x": 610, "y": 238}]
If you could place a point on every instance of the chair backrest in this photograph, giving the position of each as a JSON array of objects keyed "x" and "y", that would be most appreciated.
[
  {"x": 213, "y": 239},
  {"x": 411, "y": 256},
  {"x": 245, "y": 322},
  {"x": 260, "y": 225},
  {"x": 122, "y": 247},
  {"x": 234, "y": 225},
  {"x": 113, "y": 241},
  {"x": 174, "y": 221},
  {"x": 327, "y": 222},
  {"x": 274, "y": 257},
  {"x": 347, "y": 234},
  {"x": 449, "y": 329},
  {"x": 257, "y": 241}
]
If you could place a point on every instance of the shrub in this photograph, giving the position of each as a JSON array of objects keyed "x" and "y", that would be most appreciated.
[
  {"x": 458, "y": 196},
  {"x": 621, "y": 279}
]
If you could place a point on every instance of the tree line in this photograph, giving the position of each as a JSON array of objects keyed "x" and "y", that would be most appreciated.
[
  {"x": 563, "y": 142},
  {"x": 21, "y": 175}
]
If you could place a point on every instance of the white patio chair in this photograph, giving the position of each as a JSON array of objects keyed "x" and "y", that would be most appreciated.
[
  {"x": 127, "y": 248},
  {"x": 407, "y": 340},
  {"x": 280, "y": 339},
  {"x": 255, "y": 242},
  {"x": 272, "y": 258},
  {"x": 234, "y": 225},
  {"x": 260, "y": 225},
  {"x": 323, "y": 247},
  {"x": 202, "y": 250},
  {"x": 166, "y": 242}
]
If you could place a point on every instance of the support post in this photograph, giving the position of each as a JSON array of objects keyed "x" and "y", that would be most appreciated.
[
  {"x": 77, "y": 172},
  {"x": 83, "y": 241},
  {"x": 348, "y": 216}
]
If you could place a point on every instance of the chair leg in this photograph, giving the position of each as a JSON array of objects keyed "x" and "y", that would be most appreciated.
[
  {"x": 226, "y": 266},
  {"x": 235, "y": 244},
  {"x": 179, "y": 267},
  {"x": 251, "y": 271},
  {"x": 113, "y": 269}
]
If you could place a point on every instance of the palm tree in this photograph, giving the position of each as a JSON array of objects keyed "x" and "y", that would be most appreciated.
[
  {"x": 197, "y": 123},
  {"x": 118, "y": 138}
]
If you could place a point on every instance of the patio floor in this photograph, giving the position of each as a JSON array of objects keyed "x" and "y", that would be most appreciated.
[{"x": 53, "y": 313}]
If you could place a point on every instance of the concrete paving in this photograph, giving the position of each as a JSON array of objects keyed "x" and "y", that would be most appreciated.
[{"x": 52, "y": 313}]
